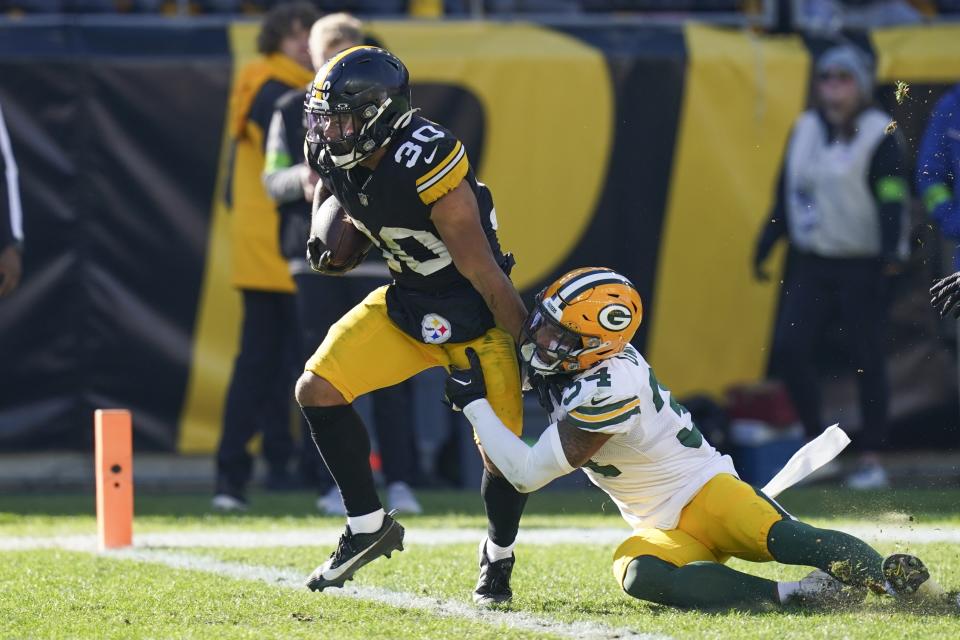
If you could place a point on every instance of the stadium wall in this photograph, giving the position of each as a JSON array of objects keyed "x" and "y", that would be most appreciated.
[{"x": 652, "y": 150}]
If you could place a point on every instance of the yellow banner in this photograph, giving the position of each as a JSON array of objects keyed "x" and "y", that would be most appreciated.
[{"x": 711, "y": 322}]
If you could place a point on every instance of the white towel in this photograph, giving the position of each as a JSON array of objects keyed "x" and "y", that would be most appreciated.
[{"x": 808, "y": 459}]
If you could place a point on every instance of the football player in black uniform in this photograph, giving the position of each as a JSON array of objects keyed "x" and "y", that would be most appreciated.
[{"x": 407, "y": 184}]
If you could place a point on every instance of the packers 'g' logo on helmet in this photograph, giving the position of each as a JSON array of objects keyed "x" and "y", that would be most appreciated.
[
  {"x": 615, "y": 317},
  {"x": 586, "y": 316}
]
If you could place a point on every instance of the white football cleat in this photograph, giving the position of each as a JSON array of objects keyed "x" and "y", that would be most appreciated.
[
  {"x": 820, "y": 589},
  {"x": 400, "y": 498},
  {"x": 228, "y": 503},
  {"x": 869, "y": 476},
  {"x": 331, "y": 503}
]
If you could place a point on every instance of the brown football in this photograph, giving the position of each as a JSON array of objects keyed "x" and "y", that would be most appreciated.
[{"x": 332, "y": 225}]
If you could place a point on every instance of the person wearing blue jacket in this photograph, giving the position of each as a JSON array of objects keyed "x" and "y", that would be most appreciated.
[{"x": 938, "y": 164}]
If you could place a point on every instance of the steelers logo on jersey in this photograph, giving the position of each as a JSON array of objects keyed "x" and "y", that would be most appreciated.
[
  {"x": 615, "y": 317},
  {"x": 435, "y": 329}
]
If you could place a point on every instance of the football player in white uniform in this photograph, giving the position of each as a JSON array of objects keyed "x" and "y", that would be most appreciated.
[{"x": 688, "y": 509}]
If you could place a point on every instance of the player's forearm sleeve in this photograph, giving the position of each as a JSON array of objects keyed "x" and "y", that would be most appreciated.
[{"x": 526, "y": 468}]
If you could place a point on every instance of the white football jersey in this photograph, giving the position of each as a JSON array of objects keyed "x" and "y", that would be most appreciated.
[{"x": 656, "y": 460}]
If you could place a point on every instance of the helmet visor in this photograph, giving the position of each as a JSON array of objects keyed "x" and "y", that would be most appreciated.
[{"x": 330, "y": 128}]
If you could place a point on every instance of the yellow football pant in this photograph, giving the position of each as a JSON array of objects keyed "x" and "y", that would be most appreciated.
[
  {"x": 726, "y": 518},
  {"x": 365, "y": 351}
]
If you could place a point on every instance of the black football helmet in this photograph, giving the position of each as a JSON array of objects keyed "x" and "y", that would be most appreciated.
[{"x": 358, "y": 101}]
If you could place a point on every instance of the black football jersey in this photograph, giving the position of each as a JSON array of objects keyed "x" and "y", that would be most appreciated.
[{"x": 392, "y": 204}]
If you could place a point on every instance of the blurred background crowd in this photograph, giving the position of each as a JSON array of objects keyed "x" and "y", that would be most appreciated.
[
  {"x": 778, "y": 178},
  {"x": 817, "y": 14}
]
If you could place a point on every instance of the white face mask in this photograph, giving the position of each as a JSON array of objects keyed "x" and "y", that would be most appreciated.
[{"x": 348, "y": 160}]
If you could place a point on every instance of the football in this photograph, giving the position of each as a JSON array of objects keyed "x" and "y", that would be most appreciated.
[{"x": 333, "y": 226}]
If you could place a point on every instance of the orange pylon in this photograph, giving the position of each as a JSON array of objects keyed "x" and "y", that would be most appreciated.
[{"x": 113, "y": 436}]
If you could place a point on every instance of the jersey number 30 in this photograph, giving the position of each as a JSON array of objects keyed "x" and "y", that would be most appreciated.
[
  {"x": 431, "y": 253},
  {"x": 411, "y": 150},
  {"x": 420, "y": 250}
]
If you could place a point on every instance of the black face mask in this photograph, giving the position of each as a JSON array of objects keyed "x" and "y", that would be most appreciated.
[{"x": 547, "y": 343}]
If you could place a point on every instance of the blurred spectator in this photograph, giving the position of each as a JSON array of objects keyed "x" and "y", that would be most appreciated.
[
  {"x": 260, "y": 391},
  {"x": 841, "y": 203},
  {"x": 11, "y": 215},
  {"x": 831, "y": 16},
  {"x": 938, "y": 164},
  {"x": 322, "y": 300}
]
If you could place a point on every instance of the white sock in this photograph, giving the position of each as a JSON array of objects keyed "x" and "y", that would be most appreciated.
[
  {"x": 786, "y": 589},
  {"x": 366, "y": 524},
  {"x": 495, "y": 552}
]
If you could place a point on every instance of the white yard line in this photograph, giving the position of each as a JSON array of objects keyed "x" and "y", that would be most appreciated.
[
  {"x": 919, "y": 534},
  {"x": 150, "y": 548},
  {"x": 315, "y": 537},
  {"x": 434, "y": 537},
  {"x": 403, "y": 600}
]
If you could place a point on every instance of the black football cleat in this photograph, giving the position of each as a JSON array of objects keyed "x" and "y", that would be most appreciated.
[
  {"x": 493, "y": 585},
  {"x": 905, "y": 574},
  {"x": 355, "y": 550},
  {"x": 909, "y": 581}
]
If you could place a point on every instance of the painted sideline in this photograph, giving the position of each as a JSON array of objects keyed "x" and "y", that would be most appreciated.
[
  {"x": 445, "y": 608},
  {"x": 433, "y": 537}
]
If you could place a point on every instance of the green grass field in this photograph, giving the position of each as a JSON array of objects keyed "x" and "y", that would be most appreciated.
[{"x": 199, "y": 584}]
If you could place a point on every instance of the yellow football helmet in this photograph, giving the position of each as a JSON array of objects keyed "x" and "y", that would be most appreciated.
[{"x": 586, "y": 316}]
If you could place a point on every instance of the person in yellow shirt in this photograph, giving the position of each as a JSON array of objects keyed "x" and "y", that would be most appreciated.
[{"x": 259, "y": 396}]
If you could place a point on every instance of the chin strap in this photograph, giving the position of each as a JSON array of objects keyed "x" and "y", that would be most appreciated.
[{"x": 401, "y": 122}]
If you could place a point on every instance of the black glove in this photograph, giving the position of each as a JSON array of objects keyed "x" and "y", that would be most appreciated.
[
  {"x": 549, "y": 388},
  {"x": 946, "y": 296},
  {"x": 465, "y": 385},
  {"x": 315, "y": 252},
  {"x": 318, "y": 256}
]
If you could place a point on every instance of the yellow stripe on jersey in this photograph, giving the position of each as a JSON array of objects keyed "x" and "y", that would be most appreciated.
[
  {"x": 330, "y": 64},
  {"x": 440, "y": 165},
  {"x": 445, "y": 176},
  {"x": 588, "y": 417}
]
